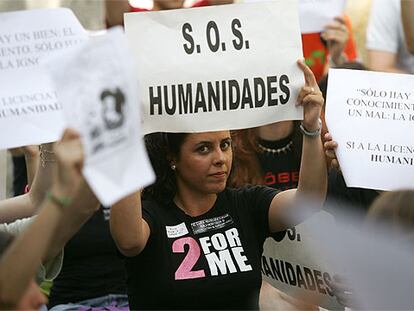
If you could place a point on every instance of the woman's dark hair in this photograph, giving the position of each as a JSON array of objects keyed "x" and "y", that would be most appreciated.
[
  {"x": 246, "y": 166},
  {"x": 162, "y": 148}
]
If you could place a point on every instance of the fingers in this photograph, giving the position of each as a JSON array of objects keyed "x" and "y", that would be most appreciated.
[
  {"x": 327, "y": 137},
  {"x": 69, "y": 151},
  {"x": 309, "y": 76},
  {"x": 69, "y": 134},
  {"x": 304, "y": 91}
]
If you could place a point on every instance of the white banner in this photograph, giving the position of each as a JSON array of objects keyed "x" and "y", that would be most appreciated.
[
  {"x": 220, "y": 67},
  {"x": 292, "y": 263},
  {"x": 29, "y": 110},
  {"x": 370, "y": 115},
  {"x": 98, "y": 89},
  {"x": 314, "y": 15}
]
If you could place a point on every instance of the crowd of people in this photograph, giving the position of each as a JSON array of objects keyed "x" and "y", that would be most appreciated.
[{"x": 223, "y": 191}]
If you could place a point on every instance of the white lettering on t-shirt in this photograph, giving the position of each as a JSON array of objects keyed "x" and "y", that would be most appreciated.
[
  {"x": 218, "y": 249},
  {"x": 222, "y": 261}
]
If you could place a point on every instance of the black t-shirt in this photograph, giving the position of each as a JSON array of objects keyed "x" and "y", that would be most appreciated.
[
  {"x": 91, "y": 267},
  {"x": 280, "y": 170},
  {"x": 342, "y": 198},
  {"x": 207, "y": 262},
  {"x": 19, "y": 175}
]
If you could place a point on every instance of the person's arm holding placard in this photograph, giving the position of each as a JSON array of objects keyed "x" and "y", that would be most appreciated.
[
  {"x": 407, "y": 14},
  {"x": 60, "y": 217},
  {"x": 27, "y": 204},
  {"x": 129, "y": 230},
  {"x": 313, "y": 174}
]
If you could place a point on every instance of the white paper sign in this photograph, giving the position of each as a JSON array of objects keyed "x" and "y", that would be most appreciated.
[
  {"x": 314, "y": 15},
  {"x": 292, "y": 263},
  {"x": 371, "y": 116},
  {"x": 220, "y": 67},
  {"x": 98, "y": 89},
  {"x": 29, "y": 110}
]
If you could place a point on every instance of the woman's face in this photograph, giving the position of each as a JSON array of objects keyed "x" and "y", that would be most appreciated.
[{"x": 204, "y": 163}]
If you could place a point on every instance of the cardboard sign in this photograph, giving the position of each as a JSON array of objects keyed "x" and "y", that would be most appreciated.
[
  {"x": 217, "y": 68},
  {"x": 98, "y": 89},
  {"x": 292, "y": 263},
  {"x": 371, "y": 116},
  {"x": 314, "y": 15},
  {"x": 29, "y": 110}
]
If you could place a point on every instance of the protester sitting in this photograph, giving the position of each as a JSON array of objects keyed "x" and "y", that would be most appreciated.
[
  {"x": 190, "y": 197},
  {"x": 386, "y": 46},
  {"x": 45, "y": 235}
]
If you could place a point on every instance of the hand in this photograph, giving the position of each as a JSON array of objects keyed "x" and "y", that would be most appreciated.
[
  {"x": 68, "y": 171},
  {"x": 310, "y": 97},
  {"x": 336, "y": 35},
  {"x": 330, "y": 147},
  {"x": 30, "y": 151}
]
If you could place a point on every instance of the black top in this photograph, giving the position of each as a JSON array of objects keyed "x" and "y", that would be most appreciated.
[
  {"x": 19, "y": 175},
  {"x": 343, "y": 198},
  {"x": 207, "y": 262},
  {"x": 91, "y": 267},
  {"x": 280, "y": 170}
]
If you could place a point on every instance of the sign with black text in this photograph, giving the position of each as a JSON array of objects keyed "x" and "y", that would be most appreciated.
[
  {"x": 371, "y": 116},
  {"x": 291, "y": 262},
  {"x": 217, "y": 68},
  {"x": 30, "y": 112},
  {"x": 100, "y": 102}
]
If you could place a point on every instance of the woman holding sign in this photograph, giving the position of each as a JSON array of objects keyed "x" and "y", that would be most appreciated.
[{"x": 193, "y": 242}]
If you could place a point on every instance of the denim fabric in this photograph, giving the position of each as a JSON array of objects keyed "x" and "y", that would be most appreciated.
[{"x": 104, "y": 303}]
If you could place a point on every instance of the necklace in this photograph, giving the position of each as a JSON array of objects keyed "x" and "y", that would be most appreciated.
[{"x": 284, "y": 149}]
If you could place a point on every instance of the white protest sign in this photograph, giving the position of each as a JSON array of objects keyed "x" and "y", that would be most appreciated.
[
  {"x": 98, "y": 90},
  {"x": 371, "y": 116},
  {"x": 292, "y": 263},
  {"x": 220, "y": 67},
  {"x": 314, "y": 15},
  {"x": 29, "y": 110}
]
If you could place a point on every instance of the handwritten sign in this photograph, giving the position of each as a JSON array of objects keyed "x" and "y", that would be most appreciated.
[
  {"x": 29, "y": 110},
  {"x": 291, "y": 262},
  {"x": 101, "y": 103},
  {"x": 371, "y": 116},
  {"x": 215, "y": 68}
]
